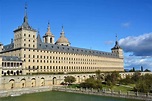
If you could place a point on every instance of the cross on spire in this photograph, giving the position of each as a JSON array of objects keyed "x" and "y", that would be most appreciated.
[
  {"x": 116, "y": 37},
  {"x": 62, "y": 29},
  {"x": 25, "y": 9},
  {"x": 48, "y": 29},
  {"x": 25, "y": 21}
]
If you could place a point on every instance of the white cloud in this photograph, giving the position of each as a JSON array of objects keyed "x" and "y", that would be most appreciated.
[
  {"x": 138, "y": 61},
  {"x": 126, "y": 24},
  {"x": 138, "y": 45},
  {"x": 109, "y": 42}
]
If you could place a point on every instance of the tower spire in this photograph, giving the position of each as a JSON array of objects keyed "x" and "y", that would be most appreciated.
[
  {"x": 48, "y": 29},
  {"x": 25, "y": 9},
  {"x": 116, "y": 43},
  {"x": 116, "y": 37},
  {"x": 62, "y": 33},
  {"x": 25, "y": 21}
]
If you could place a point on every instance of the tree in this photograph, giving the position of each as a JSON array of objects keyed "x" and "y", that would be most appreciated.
[
  {"x": 147, "y": 70},
  {"x": 98, "y": 75},
  {"x": 144, "y": 83},
  {"x": 126, "y": 80},
  {"x": 69, "y": 79},
  {"x": 133, "y": 69},
  {"x": 112, "y": 79},
  {"x": 91, "y": 83},
  {"x": 141, "y": 68},
  {"x": 136, "y": 76}
]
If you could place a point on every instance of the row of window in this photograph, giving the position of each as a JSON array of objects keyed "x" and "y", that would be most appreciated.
[
  {"x": 20, "y": 35},
  {"x": 59, "y": 58},
  {"x": 47, "y": 51},
  {"x": 29, "y": 45},
  {"x": 68, "y": 67},
  {"x": 9, "y": 64}
]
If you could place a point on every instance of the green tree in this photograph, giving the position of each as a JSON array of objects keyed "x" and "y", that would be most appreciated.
[
  {"x": 135, "y": 77},
  {"x": 142, "y": 69},
  {"x": 69, "y": 79},
  {"x": 98, "y": 75},
  {"x": 144, "y": 84},
  {"x": 112, "y": 79},
  {"x": 147, "y": 70},
  {"x": 91, "y": 83},
  {"x": 133, "y": 69},
  {"x": 126, "y": 80}
]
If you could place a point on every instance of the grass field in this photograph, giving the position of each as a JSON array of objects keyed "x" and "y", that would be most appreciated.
[{"x": 122, "y": 88}]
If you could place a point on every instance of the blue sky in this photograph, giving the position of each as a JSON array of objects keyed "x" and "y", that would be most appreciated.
[{"x": 90, "y": 24}]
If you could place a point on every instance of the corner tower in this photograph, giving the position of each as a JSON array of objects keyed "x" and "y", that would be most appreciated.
[
  {"x": 48, "y": 37},
  {"x": 117, "y": 49},
  {"x": 25, "y": 35}
]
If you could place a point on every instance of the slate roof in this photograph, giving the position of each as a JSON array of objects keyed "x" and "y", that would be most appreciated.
[
  {"x": 10, "y": 58},
  {"x": 8, "y": 47},
  {"x": 67, "y": 49},
  {"x": 116, "y": 46},
  {"x": 74, "y": 50}
]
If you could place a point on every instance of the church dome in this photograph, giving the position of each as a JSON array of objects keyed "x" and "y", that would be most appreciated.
[{"x": 62, "y": 40}]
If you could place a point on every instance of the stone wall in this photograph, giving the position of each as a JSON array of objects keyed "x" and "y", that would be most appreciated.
[{"x": 17, "y": 82}]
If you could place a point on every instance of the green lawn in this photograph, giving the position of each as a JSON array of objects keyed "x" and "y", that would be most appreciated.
[{"x": 123, "y": 88}]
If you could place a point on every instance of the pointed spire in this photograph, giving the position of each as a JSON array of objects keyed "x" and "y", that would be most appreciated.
[
  {"x": 62, "y": 29},
  {"x": 25, "y": 21},
  {"x": 62, "y": 32},
  {"x": 116, "y": 43},
  {"x": 25, "y": 24},
  {"x": 116, "y": 39},
  {"x": 48, "y": 29},
  {"x": 25, "y": 9},
  {"x": 39, "y": 37}
]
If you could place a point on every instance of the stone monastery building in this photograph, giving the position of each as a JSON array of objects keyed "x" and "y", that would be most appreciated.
[{"x": 28, "y": 54}]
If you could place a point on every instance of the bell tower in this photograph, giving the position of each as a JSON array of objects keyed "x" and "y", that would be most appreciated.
[
  {"x": 117, "y": 49},
  {"x": 48, "y": 37}
]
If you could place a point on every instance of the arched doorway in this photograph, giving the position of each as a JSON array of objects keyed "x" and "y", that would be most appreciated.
[
  {"x": 23, "y": 83},
  {"x": 42, "y": 81},
  {"x": 78, "y": 79},
  {"x": 11, "y": 83},
  {"x": 54, "y": 81},
  {"x": 84, "y": 78},
  {"x": 33, "y": 82}
]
